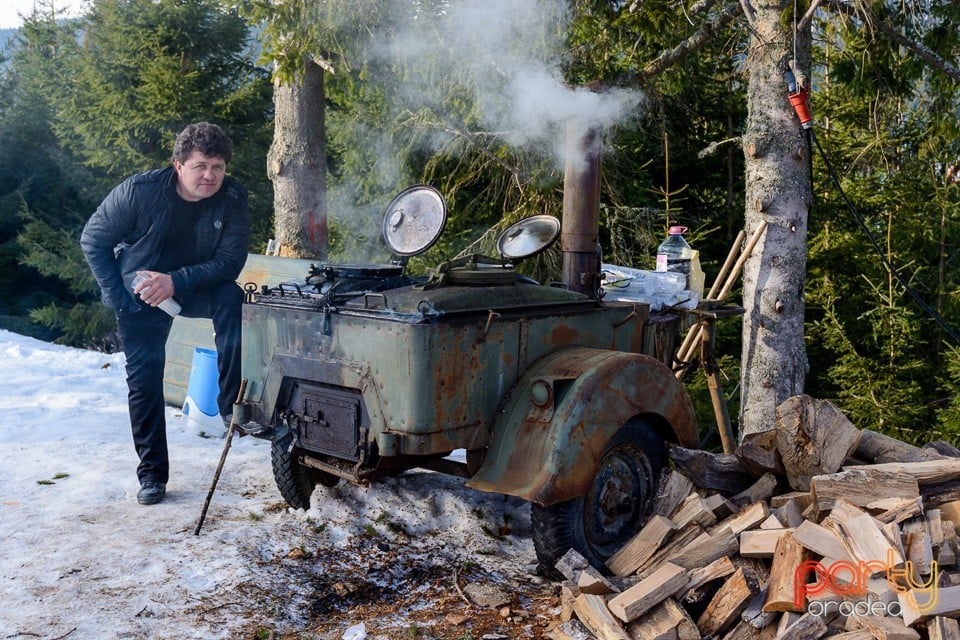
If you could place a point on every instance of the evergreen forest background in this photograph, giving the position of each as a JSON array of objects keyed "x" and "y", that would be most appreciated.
[{"x": 87, "y": 102}]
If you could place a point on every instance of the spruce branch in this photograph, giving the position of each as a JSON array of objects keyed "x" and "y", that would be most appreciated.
[
  {"x": 711, "y": 27},
  {"x": 925, "y": 53}
]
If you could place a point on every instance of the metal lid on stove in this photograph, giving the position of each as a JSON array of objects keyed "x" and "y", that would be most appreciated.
[
  {"x": 528, "y": 237},
  {"x": 414, "y": 220},
  {"x": 362, "y": 270}
]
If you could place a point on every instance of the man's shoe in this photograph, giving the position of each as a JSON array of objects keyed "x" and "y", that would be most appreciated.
[{"x": 151, "y": 492}]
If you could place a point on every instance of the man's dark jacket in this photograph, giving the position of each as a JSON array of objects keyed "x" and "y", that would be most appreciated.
[{"x": 126, "y": 233}]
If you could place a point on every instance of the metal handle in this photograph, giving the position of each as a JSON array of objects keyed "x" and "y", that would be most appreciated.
[
  {"x": 630, "y": 316},
  {"x": 491, "y": 316},
  {"x": 280, "y": 288},
  {"x": 368, "y": 296}
]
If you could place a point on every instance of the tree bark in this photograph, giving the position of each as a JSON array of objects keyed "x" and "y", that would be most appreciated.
[
  {"x": 297, "y": 165},
  {"x": 778, "y": 191}
]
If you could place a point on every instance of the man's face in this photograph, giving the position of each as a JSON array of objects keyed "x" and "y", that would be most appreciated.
[{"x": 200, "y": 176}]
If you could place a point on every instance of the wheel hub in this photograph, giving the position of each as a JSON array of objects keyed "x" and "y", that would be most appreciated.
[{"x": 614, "y": 505}]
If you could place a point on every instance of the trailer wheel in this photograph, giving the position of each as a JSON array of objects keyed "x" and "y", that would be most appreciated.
[
  {"x": 615, "y": 507},
  {"x": 295, "y": 481}
]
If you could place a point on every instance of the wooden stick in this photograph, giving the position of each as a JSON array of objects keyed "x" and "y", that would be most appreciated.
[
  {"x": 747, "y": 251},
  {"x": 223, "y": 457},
  {"x": 727, "y": 286},
  {"x": 692, "y": 335}
]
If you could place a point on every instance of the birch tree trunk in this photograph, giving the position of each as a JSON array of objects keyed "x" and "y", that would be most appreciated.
[
  {"x": 297, "y": 165},
  {"x": 778, "y": 191}
]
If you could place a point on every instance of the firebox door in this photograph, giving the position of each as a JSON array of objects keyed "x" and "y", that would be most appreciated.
[{"x": 326, "y": 420}]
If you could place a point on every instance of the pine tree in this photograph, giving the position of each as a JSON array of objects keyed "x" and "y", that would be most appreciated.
[
  {"x": 884, "y": 235},
  {"x": 40, "y": 203},
  {"x": 103, "y": 97}
]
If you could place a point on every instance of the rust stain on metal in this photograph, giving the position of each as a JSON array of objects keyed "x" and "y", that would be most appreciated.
[
  {"x": 563, "y": 335},
  {"x": 454, "y": 370},
  {"x": 596, "y": 392}
]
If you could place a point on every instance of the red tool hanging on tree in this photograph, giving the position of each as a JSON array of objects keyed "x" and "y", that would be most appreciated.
[{"x": 800, "y": 99}]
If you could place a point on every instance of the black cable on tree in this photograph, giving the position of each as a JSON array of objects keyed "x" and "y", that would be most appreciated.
[
  {"x": 876, "y": 246},
  {"x": 799, "y": 97}
]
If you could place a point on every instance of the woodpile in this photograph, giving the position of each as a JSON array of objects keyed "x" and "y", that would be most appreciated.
[{"x": 814, "y": 529}]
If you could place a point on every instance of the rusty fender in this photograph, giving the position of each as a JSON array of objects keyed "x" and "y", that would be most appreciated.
[{"x": 551, "y": 431}]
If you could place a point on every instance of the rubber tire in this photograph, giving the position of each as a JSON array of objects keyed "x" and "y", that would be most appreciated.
[
  {"x": 635, "y": 453},
  {"x": 295, "y": 481}
]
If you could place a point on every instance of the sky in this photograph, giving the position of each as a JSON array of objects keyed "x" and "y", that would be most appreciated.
[
  {"x": 80, "y": 556},
  {"x": 11, "y": 10}
]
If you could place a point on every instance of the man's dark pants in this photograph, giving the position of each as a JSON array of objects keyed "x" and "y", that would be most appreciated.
[{"x": 143, "y": 335}]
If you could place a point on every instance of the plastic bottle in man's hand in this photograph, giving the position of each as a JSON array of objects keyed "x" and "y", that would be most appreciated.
[{"x": 171, "y": 306}]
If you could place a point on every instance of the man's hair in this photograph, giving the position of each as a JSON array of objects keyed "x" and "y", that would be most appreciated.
[{"x": 208, "y": 139}]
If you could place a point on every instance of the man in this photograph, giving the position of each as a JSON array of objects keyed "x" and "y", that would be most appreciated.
[{"x": 185, "y": 229}]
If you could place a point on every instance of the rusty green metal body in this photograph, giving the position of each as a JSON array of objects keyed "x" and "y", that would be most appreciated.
[
  {"x": 360, "y": 371},
  {"x": 535, "y": 378}
]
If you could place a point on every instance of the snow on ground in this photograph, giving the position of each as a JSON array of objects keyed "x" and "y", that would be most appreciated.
[{"x": 81, "y": 559}]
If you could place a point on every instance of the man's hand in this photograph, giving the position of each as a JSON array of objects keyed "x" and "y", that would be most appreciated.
[{"x": 155, "y": 288}]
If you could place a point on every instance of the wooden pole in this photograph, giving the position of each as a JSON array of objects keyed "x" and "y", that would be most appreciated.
[
  {"x": 721, "y": 276},
  {"x": 754, "y": 239},
  {"x": 694, "y": 332},
  {"x": 684, "y": 356},
  {"x": 713, "y": 384}
]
